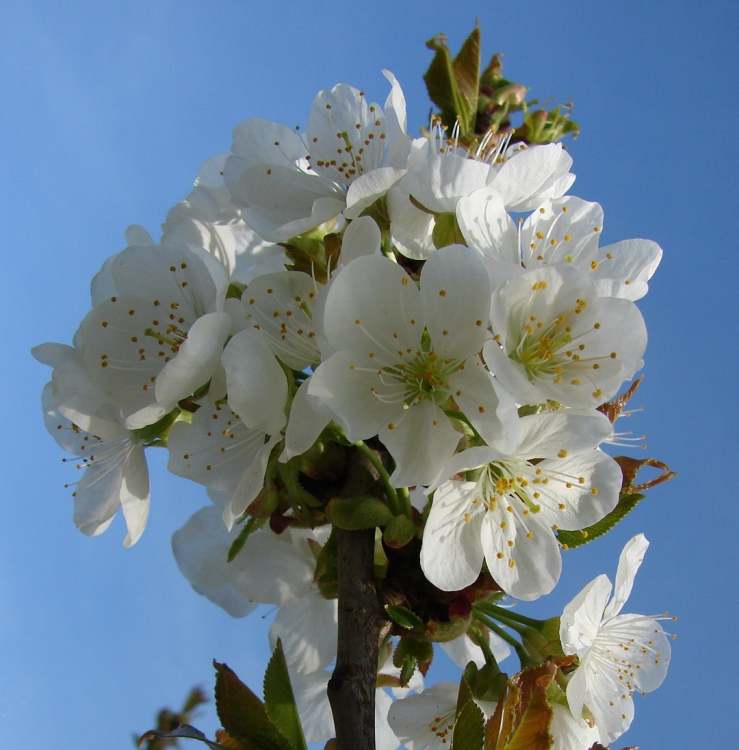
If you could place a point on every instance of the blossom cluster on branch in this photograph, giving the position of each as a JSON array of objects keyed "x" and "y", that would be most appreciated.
[{"x": 441, "y": 306}]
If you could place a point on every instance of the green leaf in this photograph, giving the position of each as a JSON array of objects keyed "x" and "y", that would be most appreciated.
[
  {"x": 467, "y": 74},
  {"x": 399, "y": 532},
  {"x": 243, "y": 715},
  {"x": 469, "y": 728},
  {"x": 406, "y": 670},
  {"x": 403, "y": 616},
  {"x": 572, "y": 539},
  {"x": 357, "y": 513},
  {"x": 236, "y": 546},
  {"x": 279, "y": 700},
  {"x": 419, "y": 648}
]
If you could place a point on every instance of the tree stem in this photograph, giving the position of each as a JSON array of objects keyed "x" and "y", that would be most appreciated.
[{"x": 351, "y": 689}]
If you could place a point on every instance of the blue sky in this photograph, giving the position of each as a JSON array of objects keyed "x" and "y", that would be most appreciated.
[{"x": 108, "y": 109}]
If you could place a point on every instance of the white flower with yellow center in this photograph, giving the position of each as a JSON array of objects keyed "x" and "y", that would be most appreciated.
[
  {"x": 507, "y": 516},
  {"x": 352, "y": 154},
  {"x": 560, "y": 231},
  {"x": 111, "y": 457},
  {"x": 208, "y": 218},
  {"x": 441, "y": 174},
  {"x": 425, "y": 721},
  {"x": 619, "y": 654},
  {"x": 269, "y": 569},
  {"x": 405, "y": 356},
  {"x": 557, "y": 339},
  {"x": 158, "y": 337}
]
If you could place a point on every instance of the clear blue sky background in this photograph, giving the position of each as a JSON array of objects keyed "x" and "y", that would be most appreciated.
[{"x": 108, "y": 109}]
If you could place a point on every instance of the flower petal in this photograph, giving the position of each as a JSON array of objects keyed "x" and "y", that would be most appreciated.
[
  {"x": 369, "y": 187},
  {"x": 420, "y": 442},
  {"x": 308, "y": 628},
  {"x": 196, "y": 360},
  {"x": 361, "y": 237},
  {"x": 257, "y": 388},
  {"x": 629, "y": 562},
  {"x": 451, "y": 552},
  {"x": 581, "y": 618},
  {"x": 455, "y": 293},
  {"x": 521, "y": 552},
  {"x": 308, "y": 417},
  {"x": 135, "y": 495}
]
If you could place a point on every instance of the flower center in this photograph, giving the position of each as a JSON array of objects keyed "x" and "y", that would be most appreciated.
[{"x": 422, "y": 377}]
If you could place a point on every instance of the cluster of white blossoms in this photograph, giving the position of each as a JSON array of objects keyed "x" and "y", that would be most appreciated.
[{"x": 447, "y": 308}]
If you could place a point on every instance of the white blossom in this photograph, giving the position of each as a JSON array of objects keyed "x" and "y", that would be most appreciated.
[
  {"x": 560, "y": 231},
  {"x": 618, "y": 653},
  {"x": 353, "y": 152},
  {"x": 554, "y": 478},
  {"x": 402, "y": 353},
  {"x": 557, "y": 339}
]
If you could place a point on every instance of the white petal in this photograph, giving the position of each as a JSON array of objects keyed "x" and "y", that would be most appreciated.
[
  {"x": 411, "y": 228},
  {"x": 546, "y": 435},
  {"x": 438, "y": 181},
  {"x": 361, "y": 237},
  {"x": 531, "y": 566},
  {"x": 487, "y": 227},
  {"x": 629, "y": 563},
  {"x": 565, "y": 230},
  {"x": 307, "y": 627},
  {"x": 369, "y": 300},
  {"x": 455, "y": 293},
  {"x": 385, "y": 738},
  {"x": 624, "y": 268},
  {"x": 581, "y": 489},
  {"x": 412, "y": 718},
  {"x": 280, "y": 305},
  {"x": 451, "y": 552},
  {"x": 533, "y": 174},
  {"x": 369, "y": 187},
  {"x": 308, "y": 417},
  {"x": 645, "y": 648},
  {"x": 421, "y": 442},
  {"x": 200, "y": 548},
  {"x": 582, "y": 617},
  {"x": 347, "y": 390},
  {"x": 135, "y": 495},
  {"x": 257, "y": 387},
  {"x": 396, "y": 124},
  {"x": 612, "y": 709},
  {"x": 195, "y": 362},
  {"x": 489, "y": 408},
  {"x": 342, "y": 125},
  {"x": 462, "y": 650},
  {"x": 570, "y": 733},
  {"x": 311, "y": 699}
]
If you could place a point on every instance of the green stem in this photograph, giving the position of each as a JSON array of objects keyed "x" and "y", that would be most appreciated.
[
  {"x": 523, "y": 657},
  {"x": 405, "y": 500},
  {"x": 374, "y": 459},
  {"x": 506, "y": 614}
]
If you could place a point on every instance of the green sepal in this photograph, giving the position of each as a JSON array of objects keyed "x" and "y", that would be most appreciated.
[
  {"x": 235, "y": 290},
  {"x": 407, "y": 669},
  {"x": 446, "y": 231},
  {"x": 250, "y": 527},
  {"x": 542, "y": 642},
  {"x": 157, "y": 433},
  {"x": 357, "y": 513},
  {"x": 243, "y": 715},
  {"x": 399, "y": 531},
  {"x": 404, "y": 617},
  {"x": 572, "y": 539},
  {"x": 279, "y": 700},
  {"x": 418, "y": 648}
]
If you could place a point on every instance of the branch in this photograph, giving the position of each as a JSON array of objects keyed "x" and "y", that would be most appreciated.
[{"x": 351, "y": 689}]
